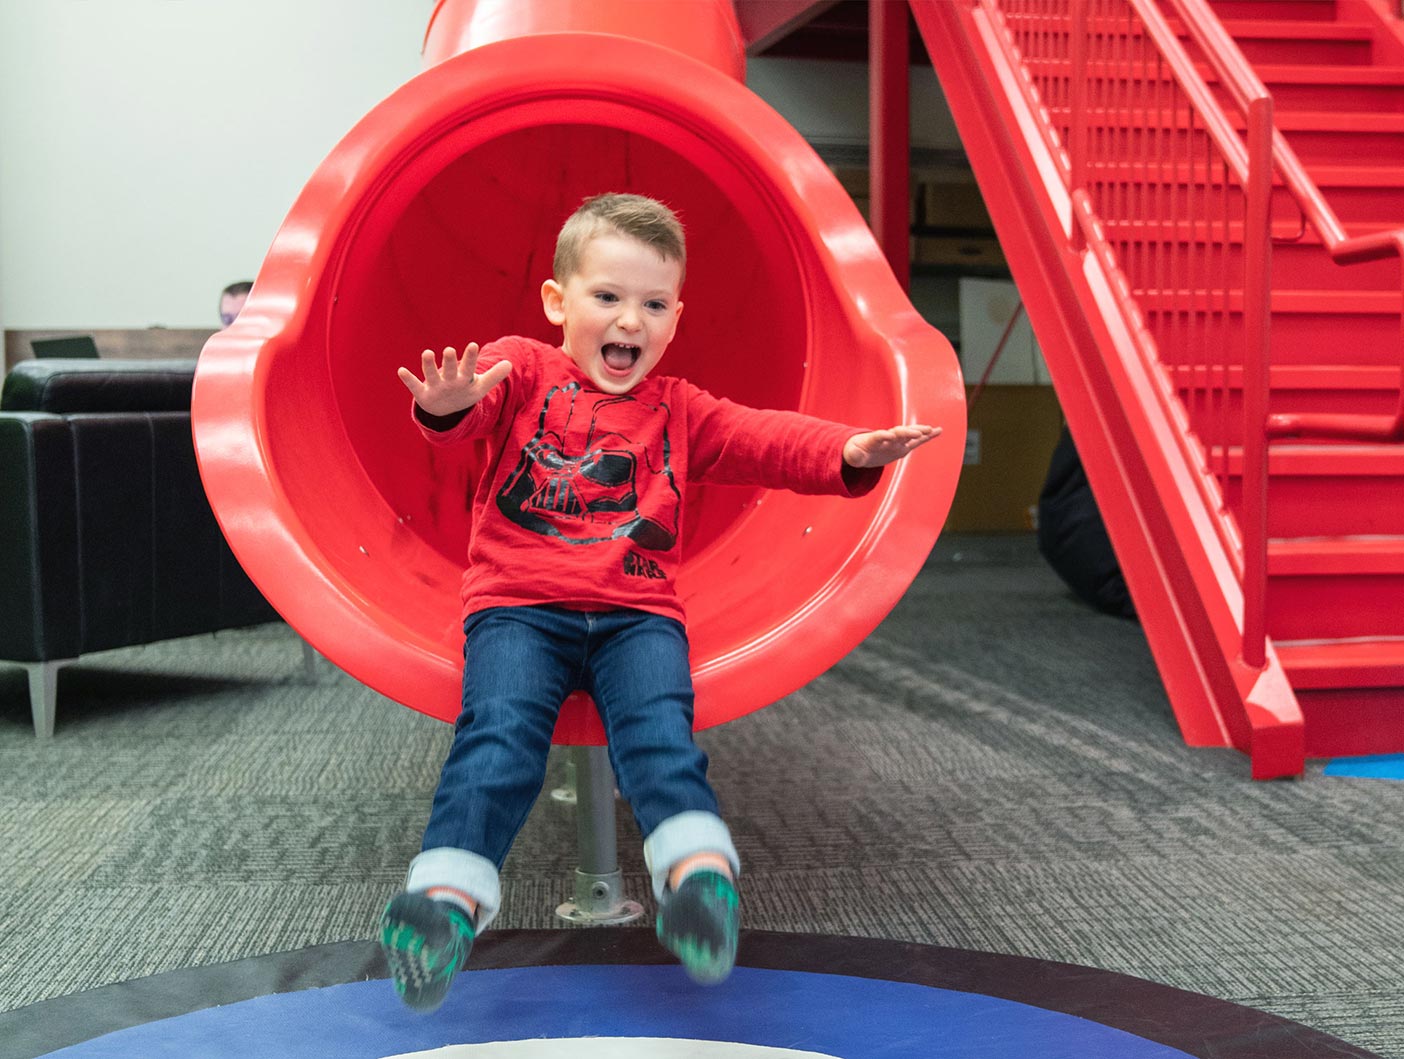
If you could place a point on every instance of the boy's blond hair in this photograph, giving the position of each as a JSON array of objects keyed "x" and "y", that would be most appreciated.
[{"x": 635, "y": 216}]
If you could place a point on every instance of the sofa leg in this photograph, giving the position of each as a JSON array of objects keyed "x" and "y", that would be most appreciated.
[{"x": 43, "y": 694}]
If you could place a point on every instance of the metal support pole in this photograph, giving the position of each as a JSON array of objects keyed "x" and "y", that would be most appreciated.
[
  {"x": 565, "y": 793},
  {"x": 889, "y": 134},
  {"x": 310, "y": 662},
  {"x": 599, "y": 884}
]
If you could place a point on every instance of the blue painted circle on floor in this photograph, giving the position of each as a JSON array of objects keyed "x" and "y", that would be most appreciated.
[
  {"x": 1370, "y": 766},
  {"x": 837, "y": 1015}
]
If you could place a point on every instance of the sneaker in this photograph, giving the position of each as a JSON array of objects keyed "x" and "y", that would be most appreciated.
[
  {"x": 426, "y": 942},
  {"x": 699, "y": 924}
]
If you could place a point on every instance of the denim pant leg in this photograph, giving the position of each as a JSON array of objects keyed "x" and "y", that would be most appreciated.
[
  {"x": 641, "y": 681},
  {"x": 519, "y": 663}
]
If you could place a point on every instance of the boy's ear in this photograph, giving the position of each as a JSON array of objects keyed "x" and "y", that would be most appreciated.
[{"x": 553, "y": 302}]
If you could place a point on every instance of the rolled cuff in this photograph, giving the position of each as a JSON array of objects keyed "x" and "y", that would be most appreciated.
[
  {"x": 475, "y": 875},
  {"x": 682, "y": 836}
]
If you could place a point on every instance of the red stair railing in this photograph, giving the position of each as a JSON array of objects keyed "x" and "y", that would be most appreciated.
[{"x": 1161, "y": 184}]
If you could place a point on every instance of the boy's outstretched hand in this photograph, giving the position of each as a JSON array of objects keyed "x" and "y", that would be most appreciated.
[
  {"x": 877, "y": 448},
  {"x": 452, "y": 386}
]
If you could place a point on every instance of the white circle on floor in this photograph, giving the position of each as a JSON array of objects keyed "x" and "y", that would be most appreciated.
[{"x": 610, "y": 1048}]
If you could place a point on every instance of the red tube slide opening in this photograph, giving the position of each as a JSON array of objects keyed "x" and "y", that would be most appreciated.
[{"x": 433, "y": 223}]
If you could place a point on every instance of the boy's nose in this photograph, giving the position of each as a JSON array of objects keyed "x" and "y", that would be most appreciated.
[{"x": 629, "y": 320}]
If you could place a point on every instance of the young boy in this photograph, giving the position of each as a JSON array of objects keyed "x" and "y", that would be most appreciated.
[{"x": 574, "y": 548}]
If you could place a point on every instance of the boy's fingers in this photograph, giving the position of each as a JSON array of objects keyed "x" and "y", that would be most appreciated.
[
  {"x": 411, "y": 381},
  {"x": 495, "y": 374}
]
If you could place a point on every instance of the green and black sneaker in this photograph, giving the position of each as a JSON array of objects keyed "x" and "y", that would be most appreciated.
[
  {"x": 426, "y": 943},
  {"x": 699, "y": 924}
]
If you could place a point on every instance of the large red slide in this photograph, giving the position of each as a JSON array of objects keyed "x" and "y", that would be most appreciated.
[{"x": 432, "y": 224}]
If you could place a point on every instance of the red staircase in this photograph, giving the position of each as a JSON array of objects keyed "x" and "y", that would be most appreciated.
[{"x": 1202, "y": 202}]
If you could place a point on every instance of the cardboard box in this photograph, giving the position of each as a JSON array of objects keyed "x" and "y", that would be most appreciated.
[
  {"x": 1011, "y": 434},
  {"x": 858, "y": 184},
  {"x": 947, "y": 205},
  {"x": 854, "y": 181},
  {"x": 969, "y": 251}
]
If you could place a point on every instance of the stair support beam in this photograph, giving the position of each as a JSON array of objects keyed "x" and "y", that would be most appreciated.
[{"x": 889, "y": 133}]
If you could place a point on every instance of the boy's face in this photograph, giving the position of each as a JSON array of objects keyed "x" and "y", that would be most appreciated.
[{"x": 619, "y": 310}]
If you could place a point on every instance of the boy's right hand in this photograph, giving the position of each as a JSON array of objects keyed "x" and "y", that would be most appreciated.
[{"x": 452, "y": 386}]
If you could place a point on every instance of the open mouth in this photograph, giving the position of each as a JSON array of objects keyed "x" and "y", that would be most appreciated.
[{"x": 620, "y": 358}]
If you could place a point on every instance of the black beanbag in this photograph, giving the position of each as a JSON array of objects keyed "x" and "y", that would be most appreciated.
[{"x": 1073, "y": 538}]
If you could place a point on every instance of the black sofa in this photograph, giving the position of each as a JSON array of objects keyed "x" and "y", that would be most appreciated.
[{"x": 108, "y": 540}]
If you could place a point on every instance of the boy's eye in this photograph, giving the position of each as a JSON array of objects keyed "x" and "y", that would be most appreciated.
[
  {"x": 605, "y": 296},
  {"x": 655, "y": 306}
]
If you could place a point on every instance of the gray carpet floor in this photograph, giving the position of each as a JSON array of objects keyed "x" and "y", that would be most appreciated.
[{"x": 996, "y": 768}]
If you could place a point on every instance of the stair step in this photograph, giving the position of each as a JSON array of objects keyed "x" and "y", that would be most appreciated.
[
  {"x": 1292, "y": 29},
  {"x": 1354, "y": 663},
  {"x": 1213, "y": 395},
  {"x": 1304, "y": 264},
  {"x": 1293, "y": 86},
  {"x": 1312, "y": 378},
  {"x": 1296, "y": 10},
  {"x": 1359, "y": 193},
  {"x": 1338, "y": 587},
  {"x": 1327, "y": 490},
  {"x": 1270, "y": 74},
  {"x": 1340, "y": 302},
  {"x": 1155, "y": 119},
  {"x": 1348, "y": 31},
  {"x": 1274, "y": 42},
  {"x": 1312, "y": 460},
  {"x": 1328, "y": 556},
  {"x": 1202, "y": 226},
  {"x": 1354, "y": 174},
  {"x": 1307, "y": 327},
  {"x": 1336, "y": 174},
  {"x": 1326, "y": 87},
  {"x": 1351, "y": 693},
  {"x": 1315, "y": 136}
]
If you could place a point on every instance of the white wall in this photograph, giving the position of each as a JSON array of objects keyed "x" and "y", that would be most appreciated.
[{"x": 149, "y": 149}]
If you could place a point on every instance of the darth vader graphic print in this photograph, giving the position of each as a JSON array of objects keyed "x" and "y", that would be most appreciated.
[{"x": 596, "y": 470}]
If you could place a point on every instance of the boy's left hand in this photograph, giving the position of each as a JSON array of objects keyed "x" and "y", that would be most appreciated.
[{"x": 877, "y": 448}]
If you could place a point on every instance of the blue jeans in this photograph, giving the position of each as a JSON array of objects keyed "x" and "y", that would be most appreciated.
[{"x": 520, "y": 663}]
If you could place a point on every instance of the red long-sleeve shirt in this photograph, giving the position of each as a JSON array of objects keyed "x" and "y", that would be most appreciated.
[{"x": 582, "y": 502}]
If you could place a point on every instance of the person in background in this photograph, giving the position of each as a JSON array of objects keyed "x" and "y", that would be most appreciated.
[{"x": 231, "y": 301}]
